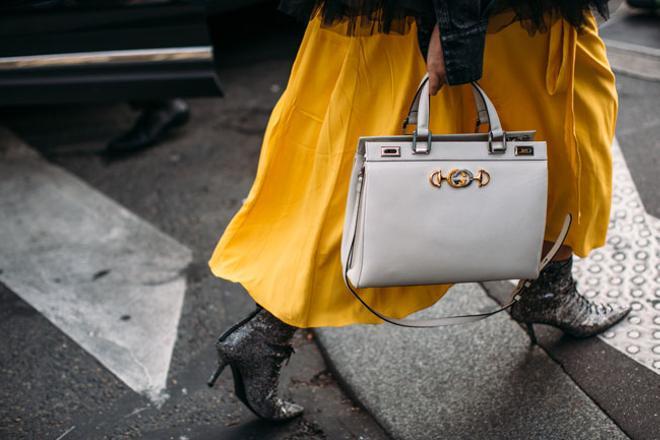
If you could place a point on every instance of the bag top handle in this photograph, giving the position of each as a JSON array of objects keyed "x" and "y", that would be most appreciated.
[{"x": 419, "y": 115}]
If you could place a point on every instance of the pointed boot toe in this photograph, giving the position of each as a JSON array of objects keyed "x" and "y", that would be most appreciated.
[
  {"x": 606, "y": 317},
  {"x": 553, "y": 299},
  {"x": 286, "y": 410}
]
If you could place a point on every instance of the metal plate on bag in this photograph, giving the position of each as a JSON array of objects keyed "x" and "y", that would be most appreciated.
[
  {"x": 390, "y": 151},
  {"x": 524, "y": 150}
]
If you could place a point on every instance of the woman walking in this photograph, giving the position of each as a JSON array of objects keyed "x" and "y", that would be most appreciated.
[{"x": 544, "y": 67}]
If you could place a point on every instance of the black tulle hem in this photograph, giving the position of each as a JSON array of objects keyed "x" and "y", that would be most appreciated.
[
  {"x": 360, "y": 16},
  {"x": 538, "y": 15},
  {"x": 388, "y": 16}
]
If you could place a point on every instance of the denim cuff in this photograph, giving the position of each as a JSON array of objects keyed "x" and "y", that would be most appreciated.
[{"x": 464, "y": 52}]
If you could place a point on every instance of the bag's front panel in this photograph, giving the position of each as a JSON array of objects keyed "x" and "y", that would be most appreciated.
[{"x": 427, "y": 225}]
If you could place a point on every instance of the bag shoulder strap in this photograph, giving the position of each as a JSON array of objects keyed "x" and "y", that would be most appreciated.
[{"x": 448, "y": 320}]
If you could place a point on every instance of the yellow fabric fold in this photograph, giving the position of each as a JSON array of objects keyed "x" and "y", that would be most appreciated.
[{"x": 559, "y": 78}]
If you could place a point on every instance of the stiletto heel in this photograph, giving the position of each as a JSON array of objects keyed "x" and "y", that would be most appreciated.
[
  {"x": 532, "y": 335},
  {"x": 222, "y": 363},
  {"x": 214, "y": 377}
]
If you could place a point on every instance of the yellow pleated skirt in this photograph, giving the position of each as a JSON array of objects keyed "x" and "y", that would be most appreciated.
[{"x": 283, "y": 244}]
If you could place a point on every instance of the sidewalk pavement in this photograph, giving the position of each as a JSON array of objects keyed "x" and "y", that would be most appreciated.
[{"x": 477, "y": 381}]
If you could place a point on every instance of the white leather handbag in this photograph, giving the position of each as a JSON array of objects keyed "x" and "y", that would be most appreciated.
[{"x": 430, "y": 209}]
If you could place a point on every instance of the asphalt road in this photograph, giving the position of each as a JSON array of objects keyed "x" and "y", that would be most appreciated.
[{"x": 189, "y": 187}]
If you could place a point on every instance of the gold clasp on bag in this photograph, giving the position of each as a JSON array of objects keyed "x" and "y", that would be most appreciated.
[{"x": 459, "y": 178}]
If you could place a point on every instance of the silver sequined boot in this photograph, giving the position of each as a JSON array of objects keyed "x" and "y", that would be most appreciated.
[
  {"x": 553, "y": 299},
  {"x": 255, "y": 349}
]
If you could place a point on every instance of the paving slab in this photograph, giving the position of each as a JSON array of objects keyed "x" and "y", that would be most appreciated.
[
  {"x": 632, "y": 37},
  {"x": 634, "y": 26},
  {"x": 476, "y": 381}
]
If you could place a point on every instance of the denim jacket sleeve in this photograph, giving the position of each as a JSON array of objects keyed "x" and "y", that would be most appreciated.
[{"x": 463, "y": 26}]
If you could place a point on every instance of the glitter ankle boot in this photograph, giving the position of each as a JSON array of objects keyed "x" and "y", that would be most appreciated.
[
  {"x": 255, "y": 349},
  {"x": 553, "y": 299}
]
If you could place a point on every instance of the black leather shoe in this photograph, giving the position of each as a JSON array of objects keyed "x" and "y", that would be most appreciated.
[{"x": 156, "y": 120}]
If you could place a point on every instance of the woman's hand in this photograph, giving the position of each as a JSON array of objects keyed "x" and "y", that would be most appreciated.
[{"x": 435, "y": 62}]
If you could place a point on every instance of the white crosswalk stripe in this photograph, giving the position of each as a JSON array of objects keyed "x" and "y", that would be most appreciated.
[{"x": 109, "y": 280}]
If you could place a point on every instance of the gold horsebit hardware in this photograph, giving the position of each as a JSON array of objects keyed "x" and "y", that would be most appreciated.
[{"x": 459, "y": 178}]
